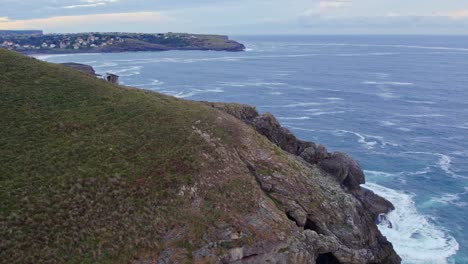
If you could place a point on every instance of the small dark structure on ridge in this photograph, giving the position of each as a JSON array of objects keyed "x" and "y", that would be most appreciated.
[{"x": 112, "y": 78}]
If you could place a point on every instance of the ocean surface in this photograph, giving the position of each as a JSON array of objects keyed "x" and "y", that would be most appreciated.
[{"x": 398, "y": 104}]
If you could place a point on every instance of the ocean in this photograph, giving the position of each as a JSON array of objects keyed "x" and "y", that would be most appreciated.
[{"x": 398, "y": 104}]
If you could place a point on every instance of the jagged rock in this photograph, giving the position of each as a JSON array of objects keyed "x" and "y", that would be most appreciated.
[
  {"x": 334, "y": 241},
  {"x": 346, "y": 170},
  {"x": 268, "y": 125},
  {"x": 246, "y": 113},
  {"x": 315, "y": 154},
  {"x": 80, "y": 67},
  {"x": 196, "y": 184},
  {"x": 382, "y": 219},
  {"x": 376, "y": 204}
]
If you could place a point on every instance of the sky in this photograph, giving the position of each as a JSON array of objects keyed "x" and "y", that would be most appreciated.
[{"x": 239, "y": 17}]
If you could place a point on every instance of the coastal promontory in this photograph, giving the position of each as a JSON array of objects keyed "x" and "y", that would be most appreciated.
[
  {"x": 33, "y": 42},
  {"x": 94, "y": 172}
]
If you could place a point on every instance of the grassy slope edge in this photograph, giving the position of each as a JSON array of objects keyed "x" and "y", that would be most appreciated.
[
  {"x": 97, "y": 173},
  {"x": 80, "y": 155}
]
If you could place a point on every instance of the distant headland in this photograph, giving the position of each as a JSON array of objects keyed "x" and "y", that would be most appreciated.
[{"x": 35, "y": 42}]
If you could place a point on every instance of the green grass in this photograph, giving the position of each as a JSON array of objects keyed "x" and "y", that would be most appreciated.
[{"x": 90, "y": 171}]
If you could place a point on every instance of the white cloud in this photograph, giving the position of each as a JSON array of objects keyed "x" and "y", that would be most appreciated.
[
  {"x": 462, "y": 14},
  {"x": 84, "y": 22},
  {"x": 327, "y": 5},
  {"x": 91, "y": 3}
]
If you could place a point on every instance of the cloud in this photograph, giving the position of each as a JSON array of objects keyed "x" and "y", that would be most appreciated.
[
  {"x": 327, "y": 5},
  {"x": 462, "y": 14},
  {"x": 85, "y": 21},
  {"x": 91, "y": 3},
  {"x": 391, "y": 23}
]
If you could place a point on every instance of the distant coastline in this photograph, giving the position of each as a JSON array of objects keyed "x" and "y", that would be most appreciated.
[{"x": 113, "y": 42}]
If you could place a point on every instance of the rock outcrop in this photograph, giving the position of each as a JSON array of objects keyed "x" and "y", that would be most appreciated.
[
  {"x": 80, "y": 67},
  {"x": 357, "y": 239},
  {"x": 99, "y": 173},
  {"x": 339, "y": 165}
]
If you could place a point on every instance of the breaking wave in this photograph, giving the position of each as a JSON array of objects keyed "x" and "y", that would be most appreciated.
[
  {"x": 192, "y": 92},
  {"x": 389, "y": 83},
  {"x": 444, "y": 163},
  {"x": 415, "y": 238},
  {"x": 368, "y": 141},
  {"x": 294, "y": 118}
]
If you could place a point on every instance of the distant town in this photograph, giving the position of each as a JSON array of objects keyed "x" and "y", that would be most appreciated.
[{"x": 37, "y": 42}]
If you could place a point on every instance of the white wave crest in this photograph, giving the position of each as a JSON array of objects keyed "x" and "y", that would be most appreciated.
[
  {"x": 424, "y": 115},
  {"x": 419, "y": 102},
  {"x": 415, "y": 238},
  {"x": 255, "y": 84},
  {"x": 130, "y": 71},
  {"x": 294, "y": 118},
  {"x": 298, "y": 128},
  {"x": 380, "y": 173},
  {"x": 388, "y": 95},
  {"x": 303, "y": 104},
  {"x": 387, "y": 123},
  {"x": 389, "y": 83},
  {"x": 362, "y": 139},
  {"x": 444, "y": 162},
  {"x": 332, "y": 98},
  {"x": 319, "y": 113},
  {"x": 193, "y": 92},
  {"x": 106, "y": 65},
  {"x": 454, "y": 199},
  {"x": 369, "y": 141},
  {"x": 388, "y": 46}
]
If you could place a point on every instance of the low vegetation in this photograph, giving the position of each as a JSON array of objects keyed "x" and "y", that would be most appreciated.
[{"x": 89, "y": 169}]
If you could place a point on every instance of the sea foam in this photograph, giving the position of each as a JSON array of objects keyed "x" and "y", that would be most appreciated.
[{"x": 415, "y": 238}]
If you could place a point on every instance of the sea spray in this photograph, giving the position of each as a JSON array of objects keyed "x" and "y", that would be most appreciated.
[{"x": 415, "y": 238}]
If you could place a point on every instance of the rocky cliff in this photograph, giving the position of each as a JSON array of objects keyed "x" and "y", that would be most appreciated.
[
  {"x": 98, "y": 173},
  {"x": 80, "y": 67}
]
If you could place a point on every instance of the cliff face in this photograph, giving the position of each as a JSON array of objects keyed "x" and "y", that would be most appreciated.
[
  {"x": 98, "y": 173},
  {"x": 80, "y": 67},
  {"x": 335, "y": 216}
]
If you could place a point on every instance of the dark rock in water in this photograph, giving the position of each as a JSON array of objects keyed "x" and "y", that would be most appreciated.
[
  {"x": 80, "y": 67},
  {"x": 346, "y": 170},
  {"x": 376, "y": 204},
  {"x": 382, "y": 219}
]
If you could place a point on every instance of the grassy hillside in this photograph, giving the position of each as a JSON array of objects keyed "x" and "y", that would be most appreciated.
[
  {"x": 89, "y": 168},
  {"x": 91, "y": 172}
]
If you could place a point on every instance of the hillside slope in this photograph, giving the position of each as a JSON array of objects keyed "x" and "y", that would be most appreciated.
[{"x": 96, "y": 173}]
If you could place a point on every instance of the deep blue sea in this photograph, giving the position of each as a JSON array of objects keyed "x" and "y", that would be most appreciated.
[{"x": 398, "y": 104}]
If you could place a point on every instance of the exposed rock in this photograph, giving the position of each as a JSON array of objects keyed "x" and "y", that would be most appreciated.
[
  {"x": 315, "y": 153},
  {"x": 269, "y": 126},
  {"x": 174, "y": 181},
  {"x": 346, "y": 170},
  {"x": 341, "y": 236},
  {"x": 80, "y": 67},
  {"x": 376, "y": 204},
  {"x": 382, "y": 219},
  {"x": 246, "y": 113}
]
